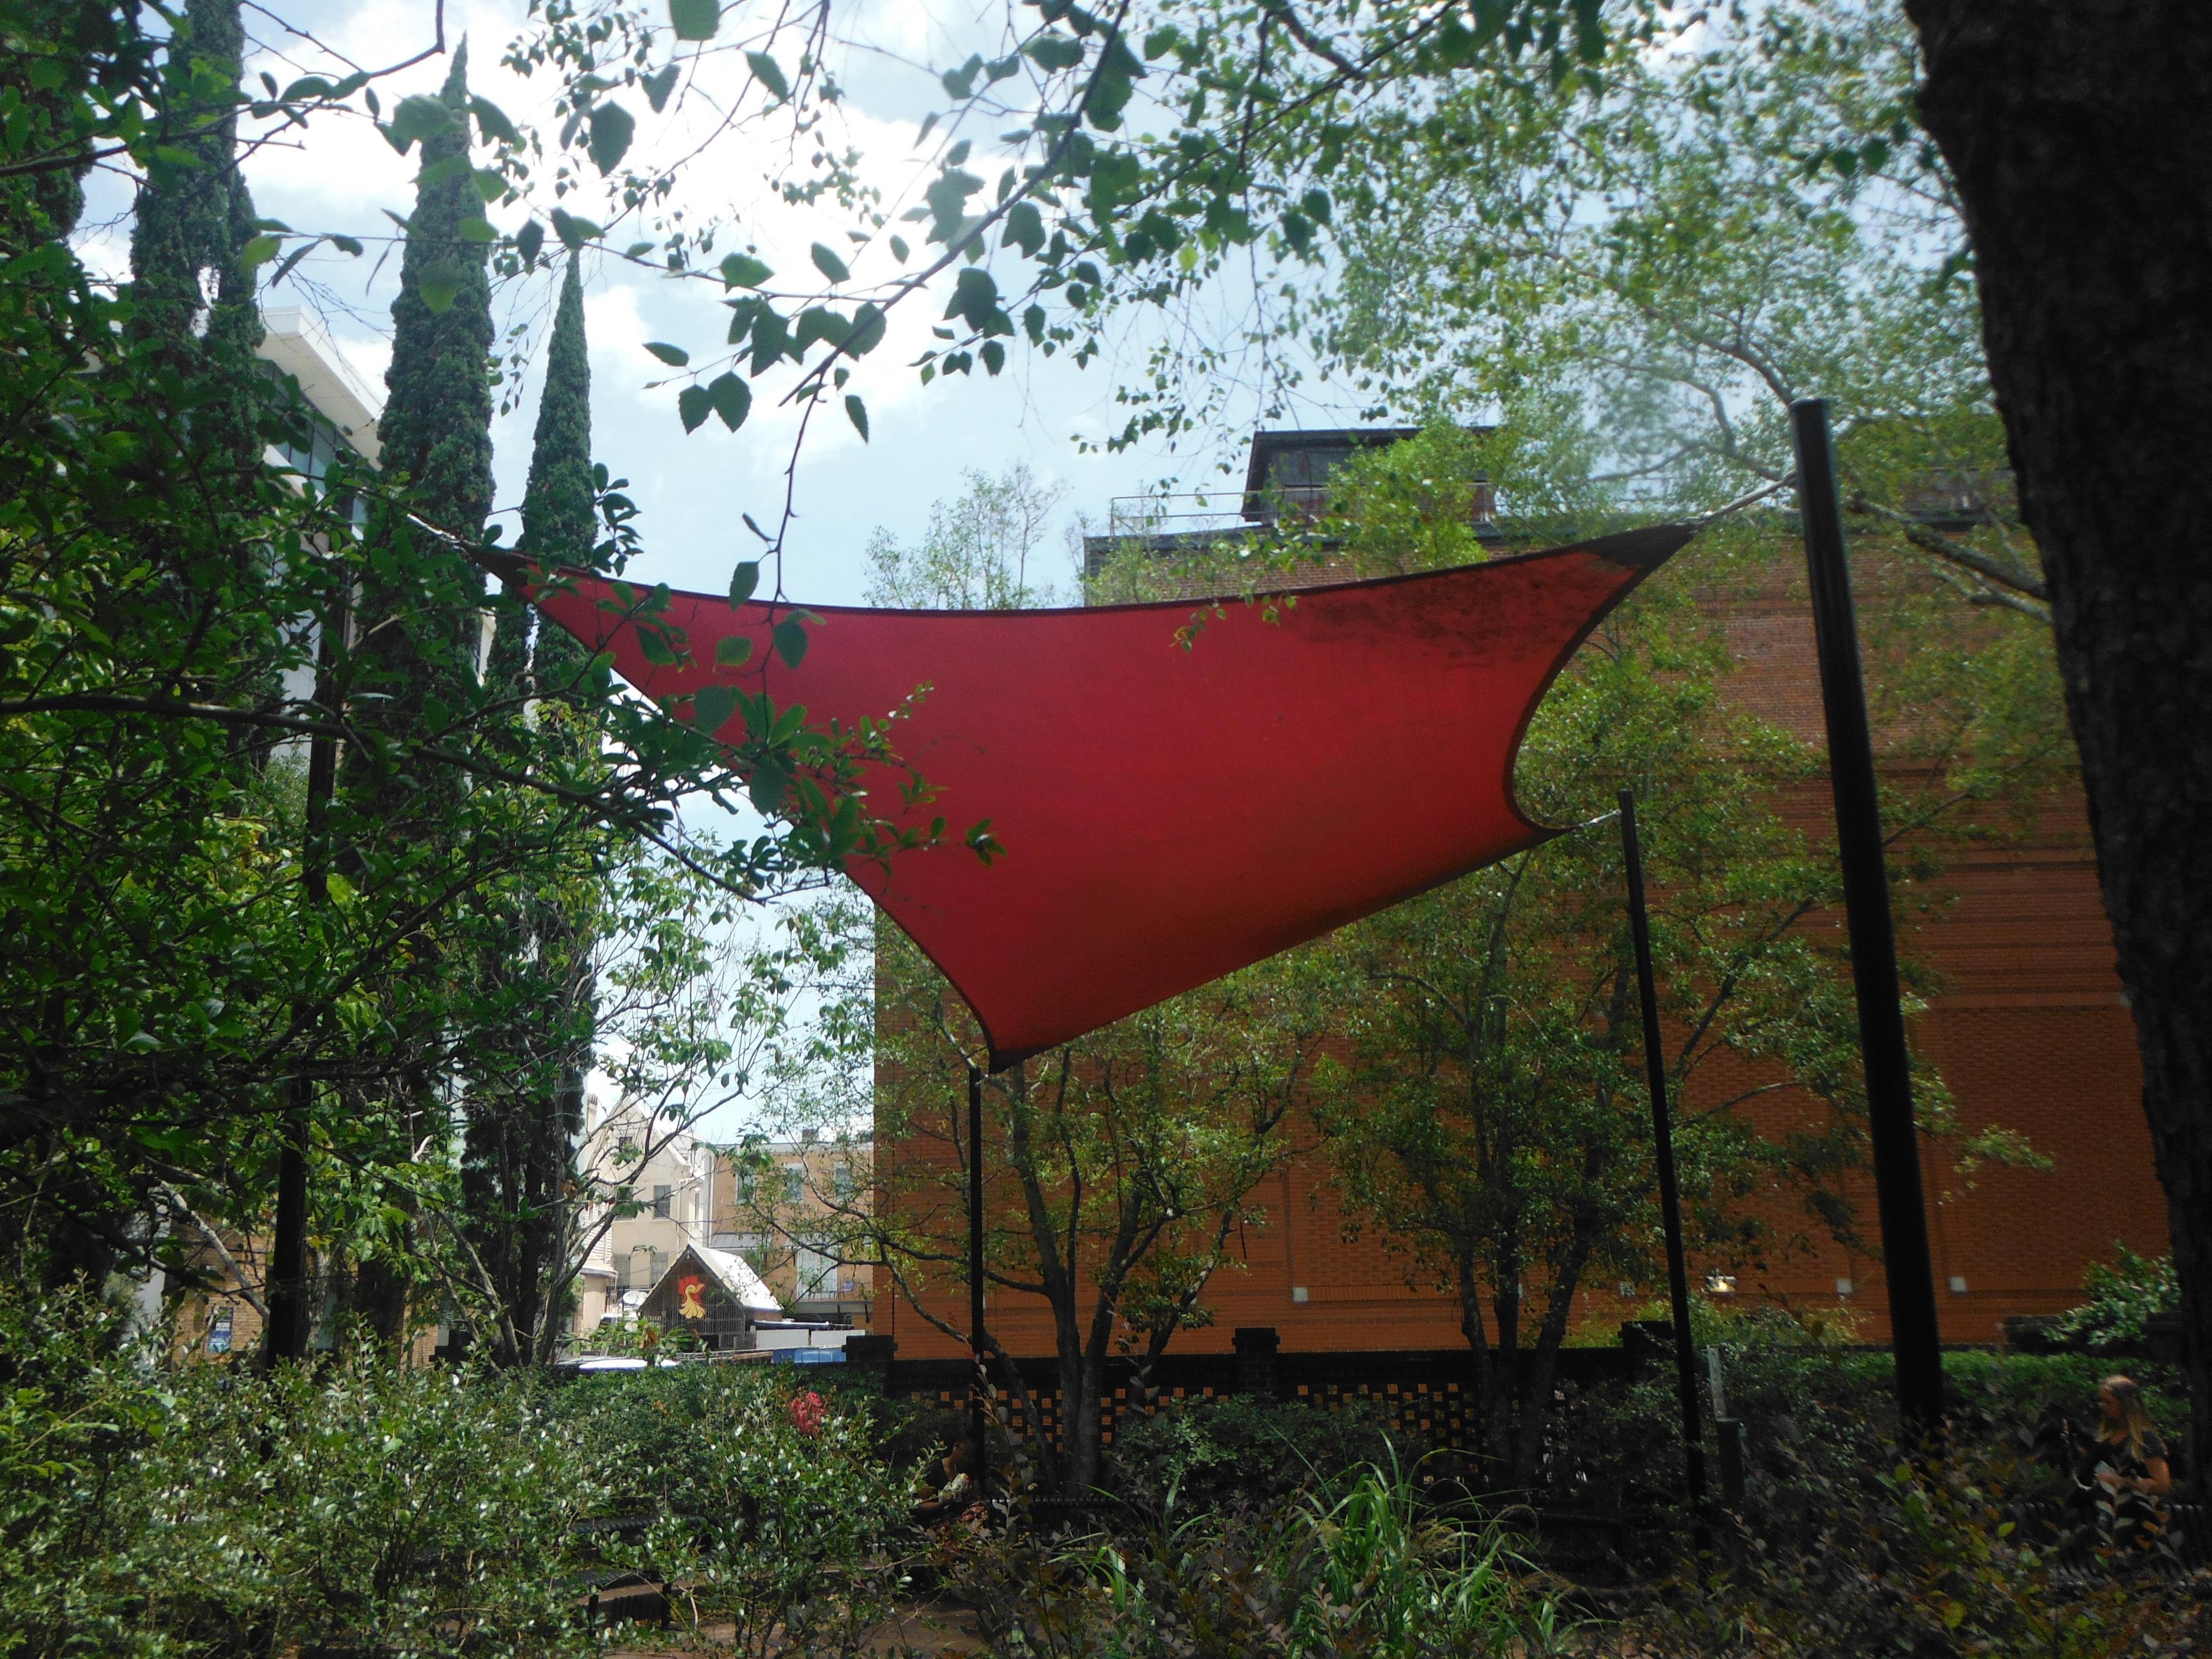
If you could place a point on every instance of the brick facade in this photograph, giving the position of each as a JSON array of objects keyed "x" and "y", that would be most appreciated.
[{"x": 2029, "y": 1030}]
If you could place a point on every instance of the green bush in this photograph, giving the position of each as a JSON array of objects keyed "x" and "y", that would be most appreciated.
[
  {"x": 2121, "y": 1299},
  {"x": 362, "y": 1506},
  {"x": 1209, "y": 1452},
  {"x": 1357, "y": 1565},
  {"x": 1908, "y": 1560}
]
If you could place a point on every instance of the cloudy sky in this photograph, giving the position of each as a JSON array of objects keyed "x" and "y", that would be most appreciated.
[{"x": 342, "y": 176}]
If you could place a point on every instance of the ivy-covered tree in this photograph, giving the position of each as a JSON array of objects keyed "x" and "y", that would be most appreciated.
[
  {"x": 193, "y": 287},
  {"x": 525, "y": 1099}
]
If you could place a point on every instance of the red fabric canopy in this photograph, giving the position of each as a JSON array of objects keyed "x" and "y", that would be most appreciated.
[{"x": 1169, "y": 815}]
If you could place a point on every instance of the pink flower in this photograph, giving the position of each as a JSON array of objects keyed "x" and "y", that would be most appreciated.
[{"x": 808, "y": 1413}]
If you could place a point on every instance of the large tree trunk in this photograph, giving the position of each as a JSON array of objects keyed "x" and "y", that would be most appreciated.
[{"x": 2080, "y": 135}]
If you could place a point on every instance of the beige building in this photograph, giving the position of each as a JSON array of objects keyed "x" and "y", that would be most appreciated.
[
  {"x": 784, "y": 1205},
  {"x": 660, "y": 1184}
]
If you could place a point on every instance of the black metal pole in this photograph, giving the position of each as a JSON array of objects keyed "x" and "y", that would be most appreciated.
[
  {"x": 286, "y": 1335},
  {"x": 975, "y": 1402},
  {"x": 1914, "y": 1337},
  {"x": 1670, "y": 1192}
]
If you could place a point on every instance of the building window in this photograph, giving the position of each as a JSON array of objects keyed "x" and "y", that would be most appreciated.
[
  {"x": 818, "y": 1274},
  {"x": 218, "y": 1336},
  {"x": 794, "y": 1182},
  {"x": 621, "y": 1272},
  {"x": 841, "y": 1177},
  {"x": 661, "y": 1194}
]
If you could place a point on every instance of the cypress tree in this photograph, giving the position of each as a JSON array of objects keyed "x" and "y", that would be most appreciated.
[
  {"x": 436, "y": 428},
  {"x": 419, "y": 601},
  {"x": 524, "y": 1127},
  {"x": 421, "y": 607},
  {"x": 193, "y": 302}
]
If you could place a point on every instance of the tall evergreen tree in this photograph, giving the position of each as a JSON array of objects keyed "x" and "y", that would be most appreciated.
[
  {"x": 525, "y": 1111},
  {"x": 420, "y": 611},
  {"x": 419, "y": 608},
  {"x": 192, "y": 296}
]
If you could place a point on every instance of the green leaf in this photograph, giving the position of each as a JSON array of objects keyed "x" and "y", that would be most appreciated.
[
  {"x": 1054, "y": 52},
  {"x": 491, "y": 185},
  {"x": 573, "y": 231},
  {"x": 657, "y": 85},
  {"x": 674, "y": 356},
  {"x": 867, "y": 332},
  {"x": 476, "y": 230},
  {"x": 899, "y": 249},
  {"x": 1112, "y": 85},
  {"x": 733, "y": 399},
  {"x": 789, "y": 637},
  {"x": 492, "y": 122},
  {"x": 767, "y": 789},
  {"x": 960, "y": 83},
  {"x": 440, "y": 285},
  {"x": 857, "y": 412},
  {"x": 612, "y": 128},
  {"x": 744, "y": 582},
  {"x": 734, "y": 651},
  {"x": 694, "y": 405},
  {"x": 819, "y": 323},
  {"x": 743, "y": 270},
  {"x": 418, "y": 116},
  {"x": 259, "y": 252},
  {"x": 975, "y": 298},
  {"x": 1024, "y": 229},
  {"x": 442, "y": 171},
  {"x": 344, "y": 244},
  {"x": 712, "y": 706},
  {"x": 769, "y": 73},
  {"x": 994, "y": 356},
  {"x": 827, "y": 262},
  {"x": 769, "y": 336},
  {"x": 655, "y": 645},
  {"x": 755, "y": 529},
  {"x": 528, "y": 240},
  {"x": 694, "y": 20}
]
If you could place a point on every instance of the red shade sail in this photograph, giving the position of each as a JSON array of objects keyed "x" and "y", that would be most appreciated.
[{"x": 1169, "y": 815}]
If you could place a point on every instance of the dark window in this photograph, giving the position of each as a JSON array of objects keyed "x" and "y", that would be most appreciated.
[{"x": 660, "y": 1197}]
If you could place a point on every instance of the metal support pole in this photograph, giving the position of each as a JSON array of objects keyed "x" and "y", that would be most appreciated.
[
  {"x": 1670, "y": 1192},
  {"x": 1914, "y": 1337},
  {"x": 975, "y": 1402}
]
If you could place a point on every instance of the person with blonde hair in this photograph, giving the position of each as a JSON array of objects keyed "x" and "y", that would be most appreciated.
[
  {"x": 2129, "y": 1467},
  {"x": 2132, "y": 1455}
]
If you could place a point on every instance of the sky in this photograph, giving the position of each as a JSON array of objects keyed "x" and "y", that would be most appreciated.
[{"x": 694, "y": 490}]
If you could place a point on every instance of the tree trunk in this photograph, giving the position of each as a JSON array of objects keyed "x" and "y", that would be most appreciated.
[
  {"x": 1478, "y": 1343},
  {"x": 2080, "y": 132}
]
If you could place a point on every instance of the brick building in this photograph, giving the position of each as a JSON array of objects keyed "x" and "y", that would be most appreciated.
[{"x": 2029, "y": 1030}]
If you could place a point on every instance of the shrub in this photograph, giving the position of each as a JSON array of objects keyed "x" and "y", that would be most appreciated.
[
  {"x": 1908, "y": 1560},
  {"x": 1355, "y": 1566},
  {"x": 1242, "y": 1450},
  {"x": 2120, "y": 1300},
  {"x": 364, "y": 1506}
]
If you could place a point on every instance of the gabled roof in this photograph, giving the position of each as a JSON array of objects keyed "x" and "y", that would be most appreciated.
[{"x": 727, "y": 1269}]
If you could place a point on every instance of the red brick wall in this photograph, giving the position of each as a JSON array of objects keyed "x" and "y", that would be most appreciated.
[{"x": 2029, "y": 1031}]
